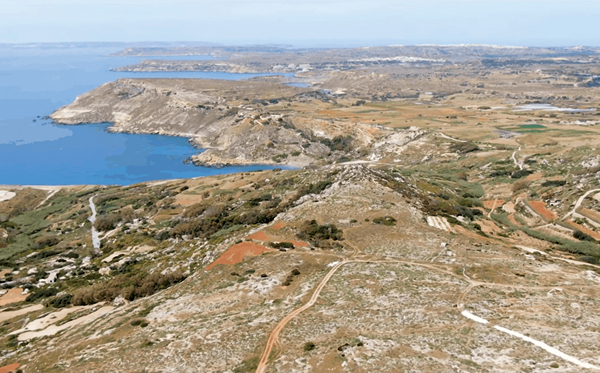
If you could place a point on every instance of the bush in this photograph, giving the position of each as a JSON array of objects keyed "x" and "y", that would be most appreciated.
[
  {"x": 520, "y": 185},
  {"x": 42, "y": 293},
  {"x": 583, "y": 237},
  {"x": 107, "y": 222},
  {"x": 314, "y": 231},
  {"x": 129, "y": 287},
  {"x": 282, "y": 245},
  {"x": 195, "y": 210},
  {"x": 60, "y": 301},
  {"x": 552, "y": 183},
  {"x": 519, "y": 174},
  {"x": 309, "y": 346},
  {"x": 385, "y": 220},
  {"x": 463, "y": 147},
  {"x": 46, "y": 241}
]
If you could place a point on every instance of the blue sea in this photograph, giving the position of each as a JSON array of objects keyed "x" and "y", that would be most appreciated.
[{"x": 34, "y": 151}]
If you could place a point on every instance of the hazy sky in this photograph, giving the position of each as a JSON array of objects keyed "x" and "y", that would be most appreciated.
[{"x": 304, "y": 22}]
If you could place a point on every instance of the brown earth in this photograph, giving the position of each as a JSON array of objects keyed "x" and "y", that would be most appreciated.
[
  {"x": 13, "y": 296},
  {"x": 236, "y": 253}
]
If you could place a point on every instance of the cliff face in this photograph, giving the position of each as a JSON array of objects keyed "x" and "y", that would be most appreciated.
[
  {"x": 248, "y": 122},
  {"x": 230, "y": 134}
]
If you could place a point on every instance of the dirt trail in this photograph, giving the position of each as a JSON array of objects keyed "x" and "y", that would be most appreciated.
[
  {"x": 273, "y": 339},
  {"x": 274, "y": 336}
]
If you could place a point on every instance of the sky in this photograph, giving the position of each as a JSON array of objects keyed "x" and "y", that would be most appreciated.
[{"x": 304, "y": 22}]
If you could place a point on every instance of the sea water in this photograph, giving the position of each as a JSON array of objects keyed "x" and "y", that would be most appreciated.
[{"x": 35, "y": 151}]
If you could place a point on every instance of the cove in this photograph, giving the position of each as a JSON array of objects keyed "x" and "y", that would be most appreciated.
[{"x": 34, "y": 151}]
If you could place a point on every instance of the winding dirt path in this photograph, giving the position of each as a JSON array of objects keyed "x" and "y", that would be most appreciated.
[{"x": 274, "y": 336}]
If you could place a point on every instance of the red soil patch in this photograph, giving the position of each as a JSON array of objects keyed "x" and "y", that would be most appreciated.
[
  {"x": 12, "y": 296},
  {"x": 9, "y": 368},
  {"x": 277, "y": 226},
  {"x": 236, "y": 253},
  {"x": 261, "y": 236},
  {"x": 578, "y": 227},
  {"x": 493, "y": 204},
  {"x": 533, "y": 177},
  {"x": 540, "y": 207}
]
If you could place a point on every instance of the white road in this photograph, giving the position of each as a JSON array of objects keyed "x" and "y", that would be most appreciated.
[
  {"x": 579, "y": 201},
  {"x": 540, "y": 344},
  {"x": 514, "y": 158},
  {"x": 95, "y": 236}
]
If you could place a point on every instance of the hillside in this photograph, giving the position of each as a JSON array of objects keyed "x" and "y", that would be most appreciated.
[{"x": 423, "y": 218}]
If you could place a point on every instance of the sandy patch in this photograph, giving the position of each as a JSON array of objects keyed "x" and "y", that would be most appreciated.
[
  {"x": 188, "y": 199},
  {"x": 53, "y": 318},
  {"x": 300, "y": 243},
  {"x": 9, "y": 368},
  {"x": 13, "y": 296},
  {"x": 590, "y": 214},
  {"x": 534, "y": 177},
  {"x": 236, "y": 253},
  {"x": 540, "y": 208},
  {"x": 4, "y": 272},
  {"x": 10, "y": 314},
  {"x": 509, "y": 207},
  {"x": 5, "y": 195},
  {"x": 53, "y": 329}
]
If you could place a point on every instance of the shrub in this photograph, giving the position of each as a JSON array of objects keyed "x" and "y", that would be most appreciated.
[
  {"x": 385, "y": 220},
  {"x": 46, "y": 241},
  {"x": 129, "y": 287},
  {"x": 463, "y": 147},
  {"x": 520, "y": 185},
  {"x": 42, "y": 293},
  {"x": 282, "y": 245},
  {"x": 60, "y": 301},
  {"x": 519, "y": 174},
  {"x": 314, "y": 231},
  {"x": 195, "y": 210},
  {"x": 107, "y": 222},
  {"x": 552, "y": 183},
  {"x": 309, "y": 346},
  {"x": 583, "y": 237},
  {"x": 341, "y": 143}
]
